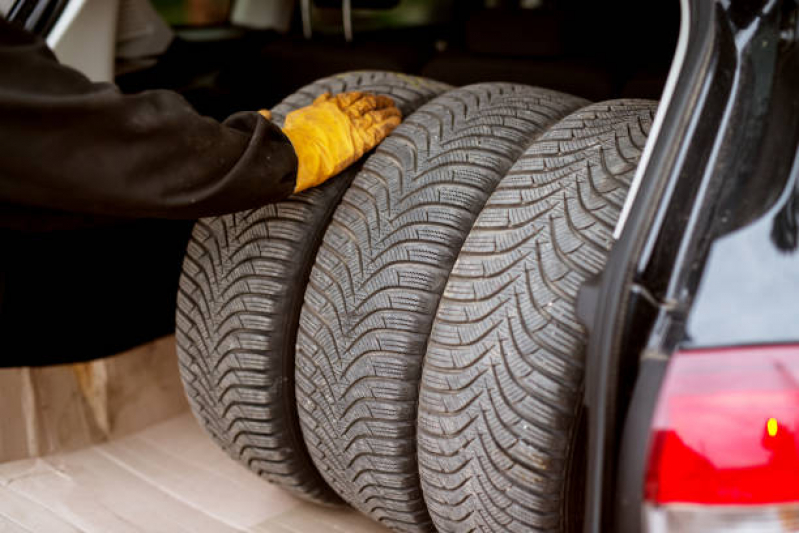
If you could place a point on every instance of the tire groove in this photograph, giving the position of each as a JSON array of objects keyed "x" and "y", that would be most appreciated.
[
  {"x": 519, "y": 279},
  {"x": 407, "y": 213},
  {"x": 242, "y": 283}
]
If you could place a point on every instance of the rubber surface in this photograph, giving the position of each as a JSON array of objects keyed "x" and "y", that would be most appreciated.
[
  {"x": 379, "y": 273},
  {"x": 503, "y": 372},
  {"x": 243, "y": 280}
]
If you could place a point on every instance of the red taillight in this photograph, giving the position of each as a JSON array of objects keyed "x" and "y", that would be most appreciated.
[{"x": 726, "y": 432}]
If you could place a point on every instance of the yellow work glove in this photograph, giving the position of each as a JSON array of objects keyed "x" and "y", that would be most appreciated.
[{"x": 335, "y": 131}]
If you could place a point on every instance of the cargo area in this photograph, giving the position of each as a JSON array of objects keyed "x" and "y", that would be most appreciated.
[
  {"x": 594, "y": 50},
  {"x": 397, "y": 348},
  {"x": 114, "y": 450}
]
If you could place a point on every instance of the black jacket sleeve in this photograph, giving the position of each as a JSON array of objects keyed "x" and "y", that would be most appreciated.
[{"x": 72, "y": 145}]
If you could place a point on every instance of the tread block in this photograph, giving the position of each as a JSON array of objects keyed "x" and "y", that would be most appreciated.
[
  {"x": 243, "y": 281},
  {"x": 377, "y": 280},
  {"x": 503, "y": 372}
]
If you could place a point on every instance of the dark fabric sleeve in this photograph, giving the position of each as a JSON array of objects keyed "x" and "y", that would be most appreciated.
[{"x": 69, "y": 144}]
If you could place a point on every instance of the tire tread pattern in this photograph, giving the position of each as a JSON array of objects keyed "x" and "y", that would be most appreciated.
[
  {"x": 503, "y": 371},
  {"x": 243, "y": 279},
  {"x": 378, "y": 275}
]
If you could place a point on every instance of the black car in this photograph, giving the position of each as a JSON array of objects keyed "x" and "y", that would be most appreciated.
[
  {"x": 692, "y": 362},
  {"x": 524, "y": 311}
]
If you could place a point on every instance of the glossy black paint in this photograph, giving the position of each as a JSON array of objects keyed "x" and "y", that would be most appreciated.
[
  {"x": 721, "y": 163},
  {"x": 610, "y": 322}
]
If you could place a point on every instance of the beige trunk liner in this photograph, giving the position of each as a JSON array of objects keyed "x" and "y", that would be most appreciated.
[
  {"x": 110, "y": 447},
  {"x": 170, "y": 477}
]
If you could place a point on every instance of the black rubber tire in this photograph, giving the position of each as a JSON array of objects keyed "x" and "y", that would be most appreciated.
[
  {"x": 241, "y": 290},
  {"x": 502, "y": 378},
  {"x": 379, "y": 273}
]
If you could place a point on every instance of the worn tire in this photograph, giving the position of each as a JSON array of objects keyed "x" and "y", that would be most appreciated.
[
  {"x": 503, "y": 373},
  {"x": 376, "y": 282},
  {"x": 241, "y": 289}
]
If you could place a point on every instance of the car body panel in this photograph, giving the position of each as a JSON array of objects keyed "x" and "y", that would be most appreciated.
[{"x": 722, "y": 160}]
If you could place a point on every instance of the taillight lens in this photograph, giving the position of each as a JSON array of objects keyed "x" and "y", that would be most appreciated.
[{"x": 725, "y": 444}]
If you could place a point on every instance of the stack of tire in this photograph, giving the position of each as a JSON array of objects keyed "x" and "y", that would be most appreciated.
[{"x": 404, "y": 337}]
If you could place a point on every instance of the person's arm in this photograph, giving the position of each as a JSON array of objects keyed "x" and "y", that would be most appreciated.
[{"x": 69, "y": 144}]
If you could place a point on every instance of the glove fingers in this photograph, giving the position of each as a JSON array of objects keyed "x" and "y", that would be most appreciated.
[
  {"x": 373, "y": 135},
  {"x": 361, "y": 107},
  {"x": 345, "y": 100},
  {"x": 367, "y": 102},
  {"x": 322, "y": 98},
  {"x": 391, "y": 114},
  {"x": 386, "y": 127},
  {"x": 383, "y": 102},
  {"x": 377, "y": 117},
  {"x": 335, "y": 131}
]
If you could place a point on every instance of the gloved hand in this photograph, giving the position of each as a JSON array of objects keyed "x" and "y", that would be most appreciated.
[{"x": 335, "y": 131}]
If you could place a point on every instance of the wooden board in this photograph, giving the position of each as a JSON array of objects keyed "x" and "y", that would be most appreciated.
[{"x": 65, "y": 407}]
